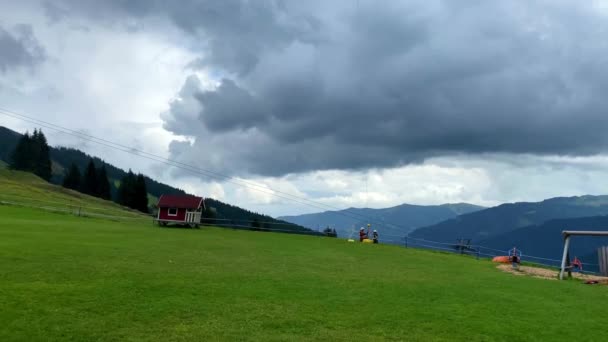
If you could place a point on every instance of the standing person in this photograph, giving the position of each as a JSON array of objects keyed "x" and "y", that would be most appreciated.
[
  {"x": 578, "y": 264},
  {"x": 515, "y": 257},
  {"x": 375, "y": 236},
  {"x": 362, "y": 234}
]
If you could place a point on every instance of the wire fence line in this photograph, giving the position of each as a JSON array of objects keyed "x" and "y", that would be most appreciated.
[
  {"x": 264, "y": 229},
  {"x": 71, "y": 204},
  {"x": 478, "y": 251},
  {"x": 405, "y": 241},
  {"x": 217, "y": 175},
  {"x": 75, "y": 211},
  {"x": 211, "y": 220}
]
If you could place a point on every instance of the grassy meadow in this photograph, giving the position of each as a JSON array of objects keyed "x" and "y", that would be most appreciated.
[
  {"x": 22, "y": 188},
  {"x": 87, "y": 279}
]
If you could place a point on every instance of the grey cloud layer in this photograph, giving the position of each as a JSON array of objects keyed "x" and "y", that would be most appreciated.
[
  {"x": 19, "y": 48},
  {"x": 322, "y": 85}
]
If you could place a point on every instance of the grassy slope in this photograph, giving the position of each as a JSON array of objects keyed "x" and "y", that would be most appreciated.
[
  {"x": 26, "y": 188},
  {"x": 71, "y": 278}
]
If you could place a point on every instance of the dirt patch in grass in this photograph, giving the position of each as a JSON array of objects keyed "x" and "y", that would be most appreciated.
[{"x": 545, "y": 273}]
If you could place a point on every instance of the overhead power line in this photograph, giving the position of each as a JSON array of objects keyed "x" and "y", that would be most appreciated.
[{"x": 193, "y": 169}]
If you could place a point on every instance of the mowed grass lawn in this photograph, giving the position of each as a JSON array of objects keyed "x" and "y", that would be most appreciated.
[{"x": 82, "y": 279}]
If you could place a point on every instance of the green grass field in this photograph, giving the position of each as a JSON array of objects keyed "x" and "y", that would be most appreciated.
[{"x": 85, "y": 279}]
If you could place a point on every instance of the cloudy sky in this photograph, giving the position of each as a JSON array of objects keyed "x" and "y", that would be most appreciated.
[{"x": 347, "y": 103}]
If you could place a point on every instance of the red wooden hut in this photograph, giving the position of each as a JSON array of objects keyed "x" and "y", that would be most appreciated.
[{"x": 180, "y": 209}]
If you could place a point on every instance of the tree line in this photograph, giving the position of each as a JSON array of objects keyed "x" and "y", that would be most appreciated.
[
  {"x": 131, "y": 192},
  {"x": 32, "y": 154},
  {"x": 93, "y": 182}
]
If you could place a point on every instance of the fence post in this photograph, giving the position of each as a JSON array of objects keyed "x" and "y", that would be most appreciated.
[
  {"x": 405, "y": 238},
  {"x": 477, "y": 253},
  {"x": 565, "y": 256},
  {"x": 602, "y": 254}
]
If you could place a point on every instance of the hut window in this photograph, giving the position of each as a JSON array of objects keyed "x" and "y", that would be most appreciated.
[{"x": 172, "y": 212}]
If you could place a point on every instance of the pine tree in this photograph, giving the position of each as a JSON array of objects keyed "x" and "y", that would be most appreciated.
[
  {"x": 21, "y": 158},
  {"x": 89, "y": 184},
  {"x": 72, "y": 179},
  {"x": 126, "y": 190},
  {"x": 103, "y": 183},
  {"x": 32, "y": 154},
  {"x": 42, "y": 164},
  {"x": 141, "y": 194},
  {"x": 33, "y": 151}
]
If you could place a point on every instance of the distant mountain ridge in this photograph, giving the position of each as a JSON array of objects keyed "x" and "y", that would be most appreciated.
[
  {"x": 487, "y": 224},
  {"x": 395, "y": 221}
]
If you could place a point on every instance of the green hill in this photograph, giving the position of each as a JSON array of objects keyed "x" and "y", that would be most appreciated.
[
  {"x": 83, "y": 279},
  {"x": 26, "y": 189}
]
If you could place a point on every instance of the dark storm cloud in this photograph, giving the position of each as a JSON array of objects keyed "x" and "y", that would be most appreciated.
[
  {"x": 332, "y": 84},
  {"x": 241, "y": 112},
  {"x": 19, "y": 48}
]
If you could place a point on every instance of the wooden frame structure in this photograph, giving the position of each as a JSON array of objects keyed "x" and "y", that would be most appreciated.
[{"x": 566, "y": 256}]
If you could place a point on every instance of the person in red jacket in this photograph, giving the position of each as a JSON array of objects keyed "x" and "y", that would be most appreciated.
[
  {"x": 362, "y": 234},
  {"x": 578, "y": 264}
]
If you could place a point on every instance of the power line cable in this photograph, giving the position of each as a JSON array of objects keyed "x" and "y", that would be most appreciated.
[{"x": 194, "y": 169}]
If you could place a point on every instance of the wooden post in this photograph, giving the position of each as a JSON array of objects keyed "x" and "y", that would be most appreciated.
[
  {"x": 405, "y": 238},
  {"x": 568, "y": 265},
  {"x": 564, "y": 256},
  {"x": 602, "y": 254}
]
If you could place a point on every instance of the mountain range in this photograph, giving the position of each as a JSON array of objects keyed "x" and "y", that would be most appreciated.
[
  {"x": 497, "y": 221},
  {"x": 534, "y": 227},
  {"x": 394, "y": 222}
]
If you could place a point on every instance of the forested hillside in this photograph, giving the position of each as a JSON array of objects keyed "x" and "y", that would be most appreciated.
[{"x": 218, "y": 212}]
